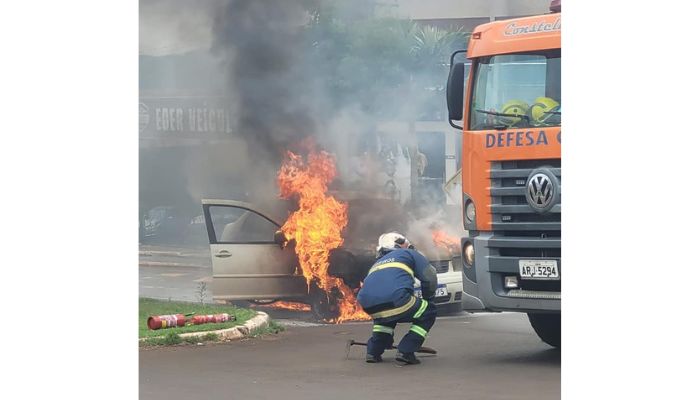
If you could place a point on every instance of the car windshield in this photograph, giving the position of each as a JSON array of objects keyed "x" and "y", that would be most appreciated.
[{"x": 517, "y": 91}]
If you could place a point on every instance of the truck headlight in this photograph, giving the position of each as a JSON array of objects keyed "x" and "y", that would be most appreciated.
[
  {"x": 469, "y": 254},
  {"x": 469, "y": 211}
]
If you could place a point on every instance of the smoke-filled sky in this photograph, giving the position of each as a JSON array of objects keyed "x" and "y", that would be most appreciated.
[
  {"x": 264, "y": 51},
  {"x": 175, "y": 26},
  {"x": 293, "y": 69}
]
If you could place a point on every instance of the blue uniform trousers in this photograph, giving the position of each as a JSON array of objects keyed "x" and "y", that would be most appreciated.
[{"x": 421, "y": 316}]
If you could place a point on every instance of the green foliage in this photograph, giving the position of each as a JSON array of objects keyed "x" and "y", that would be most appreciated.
[
  {"x": 271, "y": 328},
  {"x": 172, "y": 338},
  {"x": 431, "y": 46},
  {"x": 275, "y": 327},
  {"x": 383, "y": 65}
]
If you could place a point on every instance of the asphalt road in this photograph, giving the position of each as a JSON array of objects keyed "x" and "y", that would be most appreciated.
[
  {"x": 178, "y": 274},
  {"x": 482, "y": 356},
  {"x": 175, "y": 283}
]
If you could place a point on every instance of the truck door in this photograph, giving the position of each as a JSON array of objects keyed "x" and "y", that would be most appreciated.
[{"x": 247, "y": 263}]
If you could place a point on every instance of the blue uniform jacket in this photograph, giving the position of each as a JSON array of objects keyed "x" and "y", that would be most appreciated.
[{"x": 389, "y": 288}]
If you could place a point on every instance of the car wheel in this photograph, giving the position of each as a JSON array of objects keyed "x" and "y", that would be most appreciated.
[
  {"x": 262, "y": 302},
  {"x": 321, "y": 308}
]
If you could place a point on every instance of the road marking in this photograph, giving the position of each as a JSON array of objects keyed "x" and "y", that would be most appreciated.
[{"x": 172, "y": 275}]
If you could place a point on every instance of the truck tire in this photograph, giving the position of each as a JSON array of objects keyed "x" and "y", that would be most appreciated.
[{"x": 547, "y": 327}]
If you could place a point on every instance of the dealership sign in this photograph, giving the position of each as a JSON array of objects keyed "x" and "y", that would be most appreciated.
[{"x": 184, "y": 117}]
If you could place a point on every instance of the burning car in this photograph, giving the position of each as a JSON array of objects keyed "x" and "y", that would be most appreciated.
[
  {"x": 448, "y": 296},
  {"x": 318, "y": 251},
  {"x": 251, "y": 261}
]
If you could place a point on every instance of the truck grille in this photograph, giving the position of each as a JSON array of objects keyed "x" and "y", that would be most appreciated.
[
  {"x": 512, "y": 215},
  {"x": 519, "y": 232}
]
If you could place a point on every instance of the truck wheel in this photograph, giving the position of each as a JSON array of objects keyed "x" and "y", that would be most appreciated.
[{"x": 547, "y": 327}]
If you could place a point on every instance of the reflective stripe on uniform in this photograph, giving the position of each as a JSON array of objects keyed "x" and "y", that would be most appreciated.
[
  {"x": 395, "y": 311},
  {"x": 383, "y": 329},
  {"x": 423, "y": 306},
  {"x": 391, "y": 265},
  {"x": 417, "y": 329}
]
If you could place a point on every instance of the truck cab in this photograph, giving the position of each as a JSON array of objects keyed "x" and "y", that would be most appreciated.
[{"x": 510, "y": 111}]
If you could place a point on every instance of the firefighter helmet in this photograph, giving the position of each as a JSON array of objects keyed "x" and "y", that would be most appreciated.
[
  {"x": 390, "y": 241},
  {"x": 516, "y": 108},
  {"x": 543, "y": 109}
]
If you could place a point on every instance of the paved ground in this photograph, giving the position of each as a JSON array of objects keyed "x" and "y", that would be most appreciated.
[
  {"x": 174, "y": 273},
  {"x": 485, "y": 356},
  {"x": 175, "y": 283}
]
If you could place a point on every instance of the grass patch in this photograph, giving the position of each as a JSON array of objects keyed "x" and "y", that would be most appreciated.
[
  {"x": 172, "y": 338},
  {"x": 148, "y": 307},
  {"x": 272, "y": 328}
]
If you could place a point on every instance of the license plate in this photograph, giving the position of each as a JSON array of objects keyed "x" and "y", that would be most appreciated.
[
  {"x": 441, "y": 291},
  {"x": 539, "y": 269}
]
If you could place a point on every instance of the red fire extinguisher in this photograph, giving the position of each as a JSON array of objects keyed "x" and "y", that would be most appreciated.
[
  {"x": 210, "y": 319},
  {"x": 166, "y": 321}
]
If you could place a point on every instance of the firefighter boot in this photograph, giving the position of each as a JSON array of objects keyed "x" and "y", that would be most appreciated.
[
  {"x": 371, "y": 358},
  {"x": 407, "y": 358}
]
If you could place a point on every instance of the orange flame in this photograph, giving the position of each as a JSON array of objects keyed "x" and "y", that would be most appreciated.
[
  {"x": 442, "y": 239},
  {"x": 288, "y": 305},
  {"x": 317, "y": 226}
]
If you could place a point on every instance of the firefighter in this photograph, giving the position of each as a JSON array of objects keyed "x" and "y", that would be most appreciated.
[{"x": 387, "y": 295}]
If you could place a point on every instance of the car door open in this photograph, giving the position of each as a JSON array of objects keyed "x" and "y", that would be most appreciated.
[{"x": 247, "y": 263}]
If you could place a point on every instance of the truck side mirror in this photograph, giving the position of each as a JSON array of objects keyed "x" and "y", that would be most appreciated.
[{"x": 455, "y": 94}]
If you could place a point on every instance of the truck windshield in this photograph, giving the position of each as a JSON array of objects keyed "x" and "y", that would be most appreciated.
[{"x": 517, "y": 91}]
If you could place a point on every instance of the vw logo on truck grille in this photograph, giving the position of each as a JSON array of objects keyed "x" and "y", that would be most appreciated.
[{"x": 542, "y": 190}]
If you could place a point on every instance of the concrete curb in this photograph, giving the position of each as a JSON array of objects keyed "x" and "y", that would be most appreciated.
[{"x": 261, "y": 320}]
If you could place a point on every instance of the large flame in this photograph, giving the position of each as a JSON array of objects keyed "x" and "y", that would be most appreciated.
[
  {"x": 317, "y": 226},
  {"x": 444, "y": 240},
  {"x": 288, "y": 305}
]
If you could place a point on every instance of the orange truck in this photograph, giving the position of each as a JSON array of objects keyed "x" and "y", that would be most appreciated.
[{"x": 510, "y": 115}]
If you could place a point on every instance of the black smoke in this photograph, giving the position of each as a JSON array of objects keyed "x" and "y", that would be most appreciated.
[{"x": 262, "y": 44}]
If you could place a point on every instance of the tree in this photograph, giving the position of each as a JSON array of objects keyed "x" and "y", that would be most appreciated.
[
  {"x": 379, "y": 63},
  {"x": 391, "y": 69}
]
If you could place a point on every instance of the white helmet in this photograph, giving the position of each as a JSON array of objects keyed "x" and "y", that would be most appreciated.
[{"x": 392, "y": 240}]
